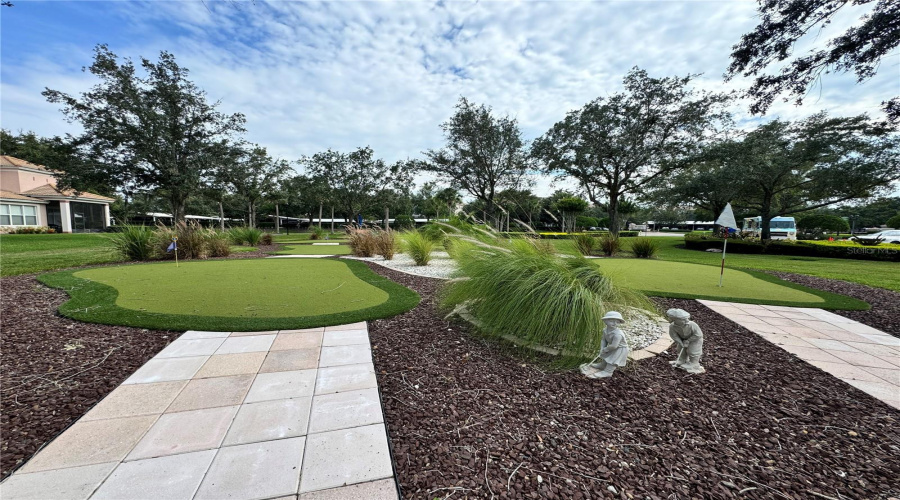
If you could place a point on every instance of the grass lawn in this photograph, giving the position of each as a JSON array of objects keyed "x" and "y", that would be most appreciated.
[
  {"x": 310, "y": 249},
  {"x": 304, "y": 237},
  {"x": 30, "y": 253},
  {"x": 242, "y": 248},
  {"x": 231, "y": 295},
  {"x": 695, "y": 281}
]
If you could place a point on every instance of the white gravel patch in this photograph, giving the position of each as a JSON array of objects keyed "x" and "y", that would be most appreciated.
[
  {"x": 642, "y": 328},
  {"x": 441, "y": 265}
]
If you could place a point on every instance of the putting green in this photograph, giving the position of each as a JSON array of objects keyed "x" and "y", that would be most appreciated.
[
  {"x": 231, "y": 295},
  {"x": 311, "y": 249},
  {"x": 684, "y": 280}
]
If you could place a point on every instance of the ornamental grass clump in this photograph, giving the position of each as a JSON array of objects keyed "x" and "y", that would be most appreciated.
[
  {"x": 217, "y": 243},
  {"x": 386, "y": 244},
  {"x": 418, "y": 247},
  {"x": 644, "y": 248},
  {"x": 610, "y": 245},
  {"x": 134, "y": 242},
  {"x": 517, "y": 290},
  {"x": 317, "y": 233},
  {"x": 585, "y": 243},
  {"x": 362, "y": 242},
  {"x": 245, "y": 235}
]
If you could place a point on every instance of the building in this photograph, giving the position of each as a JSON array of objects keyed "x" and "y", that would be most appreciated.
[{"x": 29, "y": 197}]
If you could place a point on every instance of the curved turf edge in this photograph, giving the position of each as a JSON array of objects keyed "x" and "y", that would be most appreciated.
[
  {"x": 832, "y": 300},
  {"x": 94, "y": 302}
]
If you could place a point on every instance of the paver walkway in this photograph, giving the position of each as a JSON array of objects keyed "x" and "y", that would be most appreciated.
[
  {"x": 215, "y": 415},
  {"x": 858, "y": 354}
]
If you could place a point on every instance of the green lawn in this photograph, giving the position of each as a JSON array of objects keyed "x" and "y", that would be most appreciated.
[
  {"x": 308, "y": 248},
  {"x": 30, "y": 253},
  {"x": 695, "y": 281},
  {"x": 242, "y": 249},
  {"x": 871, "y": 273},
  {"x": 304, "y": 237},
  {"x": 231, "y": 295}
]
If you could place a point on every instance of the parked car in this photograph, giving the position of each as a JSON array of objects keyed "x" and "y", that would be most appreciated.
[{"x": 888, "y": 236}]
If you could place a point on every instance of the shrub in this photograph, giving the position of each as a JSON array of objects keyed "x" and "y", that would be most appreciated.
[
  {"x": 817, "y": 224},
  {"x": 317, "y": 233},
  {"x": 894, "y": 222},
  {"x": 134, "y": 242},
  {"x": 386, "y": 244},
  {"x": 362, "y": 242},
  {"x": 245, "y": 235},
  {"x": 33, "y": 230},
  {"x": 609, "y": 245},
  {"x": 191, "y": 240},
  {"x": 434, "y": 232},
  {"x": 217, "y": 244},
  {"x": 584, "y": 222},
  {"x": 644, "y": 248},
  {"x": 418, "y": 247},
  {"x": 538, "y": 298},
  {"x": 404, "y": 222},
  {"x": 266, "y": 239},
  {"x": 585, "y": 243}
]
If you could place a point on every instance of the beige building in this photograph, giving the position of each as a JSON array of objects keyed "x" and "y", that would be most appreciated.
[{"x": 28, "y": 197}]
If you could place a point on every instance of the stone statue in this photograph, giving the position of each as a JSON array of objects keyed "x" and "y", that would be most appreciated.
[
  {"x": 613, "y": 349},
  {"x": 689, "y": 338}
]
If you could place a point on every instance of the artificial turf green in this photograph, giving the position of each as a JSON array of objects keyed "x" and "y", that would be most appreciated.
[
  {"x": 231, "y": 295},
  {"x": 242, "y": 249},
  {"x": 696, "y": 281},
  {"x": 31, "y": 253},
  {"x": 310, "y": 249}
]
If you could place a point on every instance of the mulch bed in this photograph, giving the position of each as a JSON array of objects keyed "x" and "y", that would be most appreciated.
[
  {"x": 884, "y": 314},
  {"x": 468, "y": 420}
]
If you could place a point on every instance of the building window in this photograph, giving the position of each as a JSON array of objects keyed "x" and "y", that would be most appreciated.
[{"x": 18, "y": 215}]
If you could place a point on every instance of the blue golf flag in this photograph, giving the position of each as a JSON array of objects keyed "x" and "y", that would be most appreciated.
[{"x": 172, "y": 246}]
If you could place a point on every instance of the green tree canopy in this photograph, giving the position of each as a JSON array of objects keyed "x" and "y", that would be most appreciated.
[{"x": 817, "y": 224}]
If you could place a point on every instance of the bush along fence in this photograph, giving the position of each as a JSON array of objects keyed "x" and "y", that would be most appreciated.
[
  {"x": 193, "y": 241},
  {"x": 827, "y": 249}
]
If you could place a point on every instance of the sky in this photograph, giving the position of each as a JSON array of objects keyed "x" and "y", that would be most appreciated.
[{"x": 346, "y": 74}]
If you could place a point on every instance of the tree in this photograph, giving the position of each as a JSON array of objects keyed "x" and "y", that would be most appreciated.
[
  {"x": 783, "y": 23},
  {"x": 815, "y": 225},
  {"x": 356, "y": 179},
  {"x": 894, "y": 222},
  {"x": 569, "y": 208},
  {"x": 253, "y": 175},
  {"x": 787, "y": 168},
  {"x": 617, "y": 145},
  {"x": 155, "y": 131},
  {"x": 484, "y": 154}
]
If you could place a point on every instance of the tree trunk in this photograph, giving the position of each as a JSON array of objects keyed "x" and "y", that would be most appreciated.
[
  {"x": 177, "y": 203},
  {"x": 277, "y": 220},
  {"x": 614, "y": 215},
  {"x": 221, "y": 217},
  {"x": 332, "y": 218},
  {"x": 320, "y": 216},
  {"x": 387, "y": 217}
]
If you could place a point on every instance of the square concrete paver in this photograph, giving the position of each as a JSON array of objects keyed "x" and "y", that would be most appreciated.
[
  {"x": 811, "y": 354},
  {"x": 786, "y": 339},
  {"x": 185, "y": 432},
  {"x": 891, "y": 375},
  {"x": 193, "y": 347},
  {"x": 75, "y": 483},
  {"x": 889, "y": 393},
  {"x": 831, "y": 345},
  {"x": 304, "y": 330},
  {"x": 345, "y": 409},
  {"x": 845, "y": 371},
  {"x": 345, "y": 355},
  {"x": 268, "y": 420},
  {"x": 345, "y": 457},
  {"x": 253, "y": 343},
  {"x": 248, "y": 334},
  {"x": 136, "y": 399},
  {"x": 197, "y": 334},
  {"x": 212, "y": 392},
  {"x": 174, "y": 477},
  {"x": 259, "y": 470},
  {"x": 223, "y": 365},
  {"x": 862, "y": 359},
  {"x": 94, "y": 442},
  {"x": 384, "y": 489},
  {"x": 350, "y": 326},
  {"x": 165, "y": 370},
  {"x": 873, "y": 349},
  {"x": 346, "y": 337},
  {"x": 294, "y": 359},
  {"x": 346, "y": 378},
  {"x": 308, "y": 340},
  {"x": 282, "y": 385}
]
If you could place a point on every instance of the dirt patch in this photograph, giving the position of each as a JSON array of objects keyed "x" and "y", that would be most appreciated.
[
  {"x": 467, "y": 420},
  {"x": 885, "y": 312},
  {"x": 55, "y": 369}
]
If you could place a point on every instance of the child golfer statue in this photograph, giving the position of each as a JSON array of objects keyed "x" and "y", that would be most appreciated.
[
  {"x": 613, "y": 349},
  {"x": 689, "y": 338}
]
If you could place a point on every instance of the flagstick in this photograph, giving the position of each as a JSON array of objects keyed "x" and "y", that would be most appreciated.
[
  {"x": 176, "y": 257},
  {"x": 722, "y": 272}
]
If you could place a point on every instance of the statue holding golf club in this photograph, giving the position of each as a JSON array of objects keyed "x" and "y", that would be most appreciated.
[
  {"x": 689, "y": 338},
  {"x": 613, "y": 349}
]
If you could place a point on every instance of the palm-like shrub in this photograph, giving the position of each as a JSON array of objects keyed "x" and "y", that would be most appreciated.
[
  {"x": 515, "y": 289},
  {"x": 644, "y": 248},
  {"x": 610, "y": 245},
  {"x": 317, "y": 233},
  {"x": 245, "y": 235},
  {"x": 585, "y": 243},
  {"x": 134, "y": 242},
  {"x": 362, "y": 242},
  {"x": 418, "y": 247},
  {"x": 386, "y": 244}
]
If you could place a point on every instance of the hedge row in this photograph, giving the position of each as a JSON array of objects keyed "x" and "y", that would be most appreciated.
[
  {"x": 841, "y": 250},
  {"x": 566, "y": 236}
]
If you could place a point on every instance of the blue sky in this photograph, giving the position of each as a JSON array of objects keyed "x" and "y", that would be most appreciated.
[{"x": 344, "y": 74}]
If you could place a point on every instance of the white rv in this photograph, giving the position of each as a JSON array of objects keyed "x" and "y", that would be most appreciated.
[{"x": 780, "y": 228}]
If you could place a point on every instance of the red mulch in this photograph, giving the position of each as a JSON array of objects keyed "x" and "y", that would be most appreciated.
[{"x": 468, "y": 420}]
